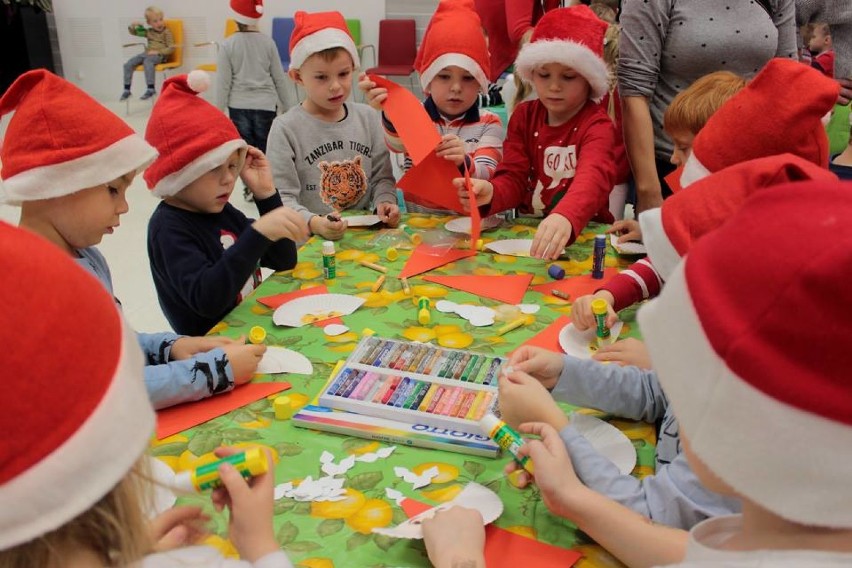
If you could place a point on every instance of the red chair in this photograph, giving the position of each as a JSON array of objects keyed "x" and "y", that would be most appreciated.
[{"x": 397, "y": 49}]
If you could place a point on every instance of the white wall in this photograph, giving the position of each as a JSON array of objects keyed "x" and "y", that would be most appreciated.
[{"x": 91, "y": 33}]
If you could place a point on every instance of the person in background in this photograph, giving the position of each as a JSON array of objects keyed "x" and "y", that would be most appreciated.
[
  {"x": 838, "y": 16},
  {"x": 160, "y": 44},
  {"x": 821, "y": 49}
]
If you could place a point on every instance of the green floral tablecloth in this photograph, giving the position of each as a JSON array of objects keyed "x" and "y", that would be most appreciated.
[{"x": 328, "y": 534}]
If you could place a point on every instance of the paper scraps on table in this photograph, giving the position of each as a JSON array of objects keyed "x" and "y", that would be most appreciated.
[
  {"x": 334, "y": 329},
  {"x": 607, "y": 440},
  {"x": 416, "y": 481},
  {"x": 627, "y": 248},
  {"x": 328, "y": 466},
  {"x": 312, "y": 309},
  {"x": 279, "y": 299},
  {"x": 475, "y": 219},
  {"x": 548, "y": 338},
  {"x": 362, "y": 220},
  {"x": 576, "y": 286},
  {"x": 473, "y": 496},
  {"x": 511, "y": 247},
  {"x": 410, "y": 120},
  {"x": 583, "y": 344},
  {"x": 477, "y": 316},
  {"x": 371, "y": 457},
  {"x": 432, "y": 181},
  {"x": 184, "y": 416},
  {"x": 425, "y": 258},
  {"x": 282, "y": 360},
  {"x": 506, "y": 288},
  {"x": 462, "y": 224},
  {"x": 395, "y": 496}
]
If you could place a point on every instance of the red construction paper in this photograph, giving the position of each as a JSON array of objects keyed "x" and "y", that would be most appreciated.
[
  {"x": 184, "y": 416},
  {"x": 673, "y": 180},
  {"x": 506, "y": 549},
  {"x": 279, "y": 299},
  {"x": 475, "y": 220},
  {"x": 548, "y": 338},
  {"x": 508, "y": 288},
  {"x": 425, "y": 258},
  {"x": 412, "y": 507},
  {"x": 576, "y": 286},
  {"x": 410, "y": 120},
  {"x": 432, "y": 181}
]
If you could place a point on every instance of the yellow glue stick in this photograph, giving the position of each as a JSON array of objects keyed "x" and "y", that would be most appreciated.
[
  {"x": 249, "y": 463},
  {"x": 423, "y": 315},
  {"x": 599, "y": 309},
  {"x": 505, "y": 437}
]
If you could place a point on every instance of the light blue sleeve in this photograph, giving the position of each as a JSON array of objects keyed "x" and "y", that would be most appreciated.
[
  {"x": 629, "y": 392},
  {"x": 673, "y": 496},
  {"x": 201, "y": 376},
  {"x": 157, "y": 347}
]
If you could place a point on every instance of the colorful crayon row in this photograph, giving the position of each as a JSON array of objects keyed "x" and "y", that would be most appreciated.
[
  {"x": 428, "y": 360},
  {"x": 411, "y": 394}
]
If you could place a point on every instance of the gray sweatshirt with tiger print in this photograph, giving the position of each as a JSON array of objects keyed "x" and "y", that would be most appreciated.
[{"x": 319, "y": 166}]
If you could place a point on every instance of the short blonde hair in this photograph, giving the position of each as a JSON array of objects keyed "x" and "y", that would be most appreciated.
[
  {"x": 690, "y": 110},
  {"x": 152, "y": 11}
]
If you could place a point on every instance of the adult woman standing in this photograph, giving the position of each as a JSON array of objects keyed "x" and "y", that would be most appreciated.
[{"x": 666, "y": 45}]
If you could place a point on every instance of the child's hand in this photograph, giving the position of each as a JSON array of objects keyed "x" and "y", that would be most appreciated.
[
  {"x": 178, "y": 527},
  {"x": 282, "y": 223},
  {"x": 257, "y": 175},
  {"x": 388, "y": 213},
  {"x": 243, "y": 360},
  {"x": 581, "y": 310},
  {"x": 451, "y": 148},
  {"x": 250, "y": 504},
  {"x": 328, "y": 229},
  {"x": 483, "y": 190},
  {"x": 542, "y": 364},
  {"x": 374, "y": 95},
  {"x": 186, "y": 347},
  {"x": 627, "y": 230},
  {"x": 551, "y": 237},
  {"x": 524, "y": 399},
  {"x": 455, "y": 537},
  {"x": 625, "y": 352}
]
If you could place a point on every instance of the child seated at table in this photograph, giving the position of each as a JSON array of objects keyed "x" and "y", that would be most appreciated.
[
  {"x": 160, "y": 43},
  {"x": 68, "y": 161},
  {"x": 452, "y": 62},
  {"x": 75, "y": 479},
  {"x": 762, "y": 419},
  {"x": 557, "y": 158},
  {"x": 327, "y": 154},
  {"x": 205, "y": 254}
]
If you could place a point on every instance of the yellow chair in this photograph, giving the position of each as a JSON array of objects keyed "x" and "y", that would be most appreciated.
[
  {"x": 230, "y": 28},
  {"x": 173, "y": 61}
]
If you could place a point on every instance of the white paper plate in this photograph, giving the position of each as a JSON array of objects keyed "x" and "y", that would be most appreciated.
[
  {"x": 473, "y": 496},
  {"x": 608, "y": 440},
  {"x": 163, "y": 480},
  {"x": 281, "y": 360},
  {"x": 579, "y": 343},
  {"x": 512, "y": 247},
  {"x": 462, "y": 224},
  {"x": 307, "y": 309},
  {"x": 334, "y": 329},
  {"x": 628, "y": 247},
  {"x": 362, "y": 220}
]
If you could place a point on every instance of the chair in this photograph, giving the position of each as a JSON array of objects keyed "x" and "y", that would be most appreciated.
[
  {"x": 397, "y": 49},
  {"x": 354, "y": 26},
  {"x": 174, "y": 61},
  {"x": 230, "y": 28}
]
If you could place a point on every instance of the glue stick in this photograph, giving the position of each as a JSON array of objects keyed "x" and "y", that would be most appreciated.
[
  {"x": 329, "y": 268},
  {"x": 599, "y": 309},
  {"x": 249, "y": 463},
  {"x": 505, "y": 437},
  {"x": 423, "y": 315},
  {"x": 412, "y": 235}
]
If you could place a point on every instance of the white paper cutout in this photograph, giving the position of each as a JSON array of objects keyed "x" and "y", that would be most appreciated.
[
  {"x": 582, "y": 344},
  {"x": 163, "y": 481},
  {"x": 462, "y": 224},
  {"x": 333, "y": 469},
  {"x": 511, "y": 247},
  {"x": 395, "y": 496},
  {"x": 371, "y": 457},
  {"x": 608, "y": 440},
  {"x": 282, "y": 360},
  {"x": 362, "y": 220},
  {"x": 628, "y": 248},
  {"x": 307, "y": 309},
  {"x": 473, "y": 496},
  {"x": 478, "y": 316},
  {"x": 529, "y": 308},
  {"x": 416, "y": 481},
  {"x": 334, "y": 329}
]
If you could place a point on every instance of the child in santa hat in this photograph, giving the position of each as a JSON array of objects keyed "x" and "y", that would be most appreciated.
[
  {"x": 453, "y": 65},
  {"x": 327, "y": 154},
  {"x": 205, "y": 254},
  {"x": 671, "y": 496},
  {"x": 68, "y": 161},
  {"x": 558, "y": 158},
  {"x": 250, "y": 83},
  {"x": 73, "y": 480}
]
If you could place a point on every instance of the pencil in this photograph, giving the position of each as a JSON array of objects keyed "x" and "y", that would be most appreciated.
[
  {"x": 374, "y": 266},
  {"x": 560, "y": 294},
  {"x": 377, "y": 285}
]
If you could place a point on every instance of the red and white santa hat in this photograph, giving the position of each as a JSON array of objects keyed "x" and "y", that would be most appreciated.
[
  {"x": 192, "y": 136},
  {"x": 454, "y": 37},
  {"x": 574, "y": 37},
  {"x": 749, "y": 339},
  {"x": 669, "y": 231},
  {"x": 60, "y": 140},
  {"x": 77, "y": 418},
  {"x": 247, "y": 12},
  {"x": 318, "y": 31},
  {"x": 779, "y": 111}
]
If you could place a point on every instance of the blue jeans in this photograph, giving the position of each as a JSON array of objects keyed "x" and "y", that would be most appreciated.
[
  {"x": 147, "y": 61},
  {"x": 253, "y": 125}
]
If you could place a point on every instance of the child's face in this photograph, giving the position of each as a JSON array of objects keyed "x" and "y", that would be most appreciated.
[
  {"x": 820, "y": 41},
  {"x": 156, "y": 21},
  {"x": 210, "y": 192},
  {"x": 561, "y": 90},
  {"x": 454, "y": 91},
  {"x": 326, "y": 83},
  {"x": 682, "y": 147}
]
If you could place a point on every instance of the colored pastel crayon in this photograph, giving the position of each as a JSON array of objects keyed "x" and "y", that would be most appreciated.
[
  {"x": 375, "y": 386},
  {"x": 474, "y": 406},
  {"x": 412, "y": 396},
  {"x": 372, "y": 352},
  {"x": 421, "y": 394},
  {"x": 350, "y": 379},
  {"x": 415, "y": 363},
  {"x": 365, "y": 347},
  {"x": 476, "y": 368},
  {"x": 365, "y": 386},
  {"x": 427, "y": 398},
  {"x": 410, "y": 392},
  {"x": 433, "y": 360},
  {"x": 383, "y": 388},
  {"x": 468, "y": 368},
  {"x": 394, "y": 384},
  {"x": 376, "y": 357},
  {"x": 338, "y": 380},
  {"x": 457, "y": 370},
  {"x": 466, "y": 404},
  {"x": 406, "y": 358},
  {"x": 388, "y": 355},
  {"x": 485, "y": 407},
  {"x": 492, "y": 369},
  {"x": 448, "y": 366},
  {"x": 436, "y": 400},
  {"x": 455, "y": 365},
  {"x": 447, "y": 401},
  {"x": 457, "y": 403},
  {"x": 403, "y": 385},
  {"x": 404, "y": 393},
  {"x": 493, "y": 373},
  {"x": 352, "y": 384}
]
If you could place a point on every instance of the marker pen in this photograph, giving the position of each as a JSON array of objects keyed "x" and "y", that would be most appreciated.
[
  {"x": 249, "y": 463},
  {"x": 506, "y": 438}
]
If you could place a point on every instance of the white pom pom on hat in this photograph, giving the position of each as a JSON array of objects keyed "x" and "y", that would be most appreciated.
[{"x": 198, "y": 80}]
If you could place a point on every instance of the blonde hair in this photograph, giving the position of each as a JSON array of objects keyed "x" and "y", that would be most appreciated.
[
  {"x": 114, "y": 529},
  {"x": 153, "y": 11},
  {"x": 690, "y": 110}
]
